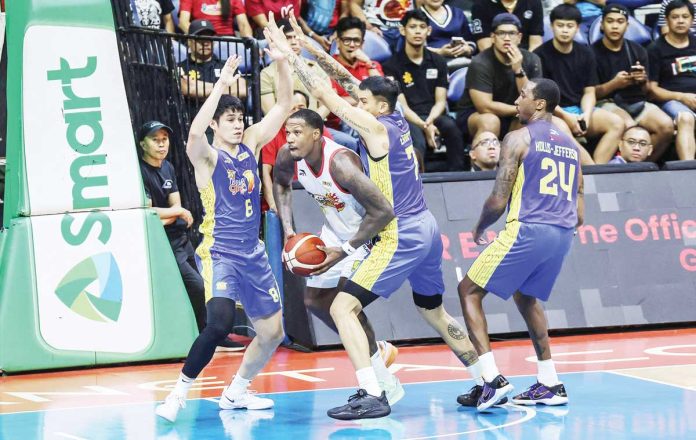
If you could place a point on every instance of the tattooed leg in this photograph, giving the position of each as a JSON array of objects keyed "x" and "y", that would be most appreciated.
[{"x": 452, "y": 332}]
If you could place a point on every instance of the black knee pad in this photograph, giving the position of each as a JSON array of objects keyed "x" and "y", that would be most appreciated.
[{"x": 428, "y": 302}]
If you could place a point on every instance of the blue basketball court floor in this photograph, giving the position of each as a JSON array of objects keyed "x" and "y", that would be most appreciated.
[{"x": 621, "y": 386}]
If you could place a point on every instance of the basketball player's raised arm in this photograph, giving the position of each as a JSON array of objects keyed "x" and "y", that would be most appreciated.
[
  {"x": 282, "y": 189},
  {"x": 511, "y": 150},
  {"x": 328, "y": 63},
  {"x": 259, "y": 134},
  {"x": 346, "y": 170},
  {"x": 370, "y": 129},
  {"x": 198, "y": 149}
]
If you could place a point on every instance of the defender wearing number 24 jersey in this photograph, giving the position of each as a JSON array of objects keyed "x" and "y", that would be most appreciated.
[{"x": 540, "y": 180}]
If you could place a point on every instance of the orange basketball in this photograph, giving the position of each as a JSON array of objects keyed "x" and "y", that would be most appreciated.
[{"x": 301, "y": 256}]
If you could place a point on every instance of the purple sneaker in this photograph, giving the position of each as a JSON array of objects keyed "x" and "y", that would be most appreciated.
[
  {"x": 493, "y": 392},
  {"x": 540, "y": 393}
]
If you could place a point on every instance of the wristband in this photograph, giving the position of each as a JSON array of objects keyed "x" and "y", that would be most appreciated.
[
  {"x": 310, "y": 34},
  {"x": 348, "y": 249}
]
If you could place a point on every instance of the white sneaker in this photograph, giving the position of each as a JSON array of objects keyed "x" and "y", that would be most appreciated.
[
  {"x": 388, "y": 352},
  {"x": 171, "y": 406},
  {"x": 393, "y": 389},
  {"x": 248, "y": 400}
]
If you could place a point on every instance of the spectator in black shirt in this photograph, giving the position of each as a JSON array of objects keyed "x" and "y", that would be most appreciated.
[
  {"x": 672, "y": 71},
  {"x": 573, "y": 67},
  {"x": 162, "y": 191},
  {"x": 494, "y": 79},
  {"x": 529, "y": 12},
  {"x": 201, "y": 69},
  {"x": 422, "y": 76},
  {"x": 622, "y": 70}
]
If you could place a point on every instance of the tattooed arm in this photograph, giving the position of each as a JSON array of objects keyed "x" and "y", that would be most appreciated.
[
  {"x": 346, "y": 170},
  {"x": 282, "y": 189},
  {"x": 581, "y": 197},
  {"x": 373, "y": 133},
  {"x": 512, "y": 151},
  {"x": 332, "y": 67}
]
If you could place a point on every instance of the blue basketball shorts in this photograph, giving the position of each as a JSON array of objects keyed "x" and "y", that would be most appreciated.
[
  {"x": 525, "y": 257},
  {"x": 408, "y": 249},
  {"x": 241, "y": 275}
]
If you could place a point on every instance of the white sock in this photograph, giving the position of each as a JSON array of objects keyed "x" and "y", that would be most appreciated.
[
  {"x": 489, "y": 370},
  {"x": 475, "y": 371},
  {"x": 367, "y": 379},
  {"x": 183, "y": 384},
  {"x": 238, "y": 386},
  {"x": 546, "y": 373},
  {"x": 381, "y": 370}
]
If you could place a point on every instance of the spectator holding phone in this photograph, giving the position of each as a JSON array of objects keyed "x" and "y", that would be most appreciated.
[
  {"x": 574, "y": 68},
  {"x": 672, "y": 78},
  {"x": 450, "y": 36},
  {"x": 622, "y": 71}
]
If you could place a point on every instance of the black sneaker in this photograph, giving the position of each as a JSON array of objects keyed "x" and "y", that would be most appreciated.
[
  {"x": 493, "y": 392},
  {"x": 362, "y": 406},
  {"x": 471, "y": 398},
  {"x": 229, "y": 345},
  {"x": 540, "y": 393}
]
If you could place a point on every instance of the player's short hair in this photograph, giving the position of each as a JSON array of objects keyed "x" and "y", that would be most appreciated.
[
  {"x": 547, "y": 89},
  {"x": 382, "y": 88},
  {"x": 566, "y": 12},
  {"x": 348, "y": 23},
  {"x": 414, "y": 14},
  {"x": 310, "y": 117},
  {"x": 228, "y": 102},
  {"x": 677, "y": 4}
]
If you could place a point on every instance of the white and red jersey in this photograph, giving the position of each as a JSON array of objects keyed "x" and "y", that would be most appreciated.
[{"x": 342, "y": 212}]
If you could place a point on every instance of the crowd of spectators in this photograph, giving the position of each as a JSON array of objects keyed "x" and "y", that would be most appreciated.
[{"x": 608, "y": 85}]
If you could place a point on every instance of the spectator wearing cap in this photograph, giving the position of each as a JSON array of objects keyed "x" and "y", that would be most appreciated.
[
  {"x": 635, "y": 146},
  {"x": 422, "y": 75},
  {"x": 154, "y": 14},
  {"x": 672, "y": 70},
  {"x": 201, "y": 68},
  {"x": 529, "y": 13},
  {"x": 573, "y": 67},
  {"x": 494, "y": 80},
  {"x": 622, "y": 72},
  {"x": 221, "y": 14},
  {"x": 662, "y": 22},
  {"x": 162, "y": 191},
  {"x": 485, "y": 152}
]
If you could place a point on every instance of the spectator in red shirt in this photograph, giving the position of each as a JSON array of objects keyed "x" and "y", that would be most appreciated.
[
  {"x": 221, "y": 13},
  {"x": 258, "y": 11},
  {"x": 270, "y": 151}
]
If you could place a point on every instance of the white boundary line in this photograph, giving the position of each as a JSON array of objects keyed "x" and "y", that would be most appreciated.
[
  {"x": 619, "y": 373},
  {"x": 337, "y": 388}
]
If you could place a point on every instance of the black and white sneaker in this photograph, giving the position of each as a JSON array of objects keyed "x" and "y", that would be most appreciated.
[
  {"x": 493, "y": 392},
  {"x": 471, "y": 398},
  {"x": 362, "y": 406}
]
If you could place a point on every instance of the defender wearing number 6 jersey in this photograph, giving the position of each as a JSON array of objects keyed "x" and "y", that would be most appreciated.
[{"x": 540, "y": 180}]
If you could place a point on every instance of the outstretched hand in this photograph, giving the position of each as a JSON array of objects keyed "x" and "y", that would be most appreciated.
[
  {"x": 229, "y": 74},
  {"x": 277, "y": 41}
]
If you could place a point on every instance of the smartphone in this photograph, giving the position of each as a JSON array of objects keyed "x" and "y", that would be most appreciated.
[
  {"x": 636, "y": 68},
  {"x": 456, "y": 41},
  {"x": 583, "y": 124}
]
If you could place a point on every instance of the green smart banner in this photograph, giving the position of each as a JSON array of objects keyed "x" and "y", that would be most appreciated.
[{"x": 87, "y": 275}]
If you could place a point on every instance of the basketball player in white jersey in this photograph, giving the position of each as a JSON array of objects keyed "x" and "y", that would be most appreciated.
[{"x": 354, "y": 209}]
